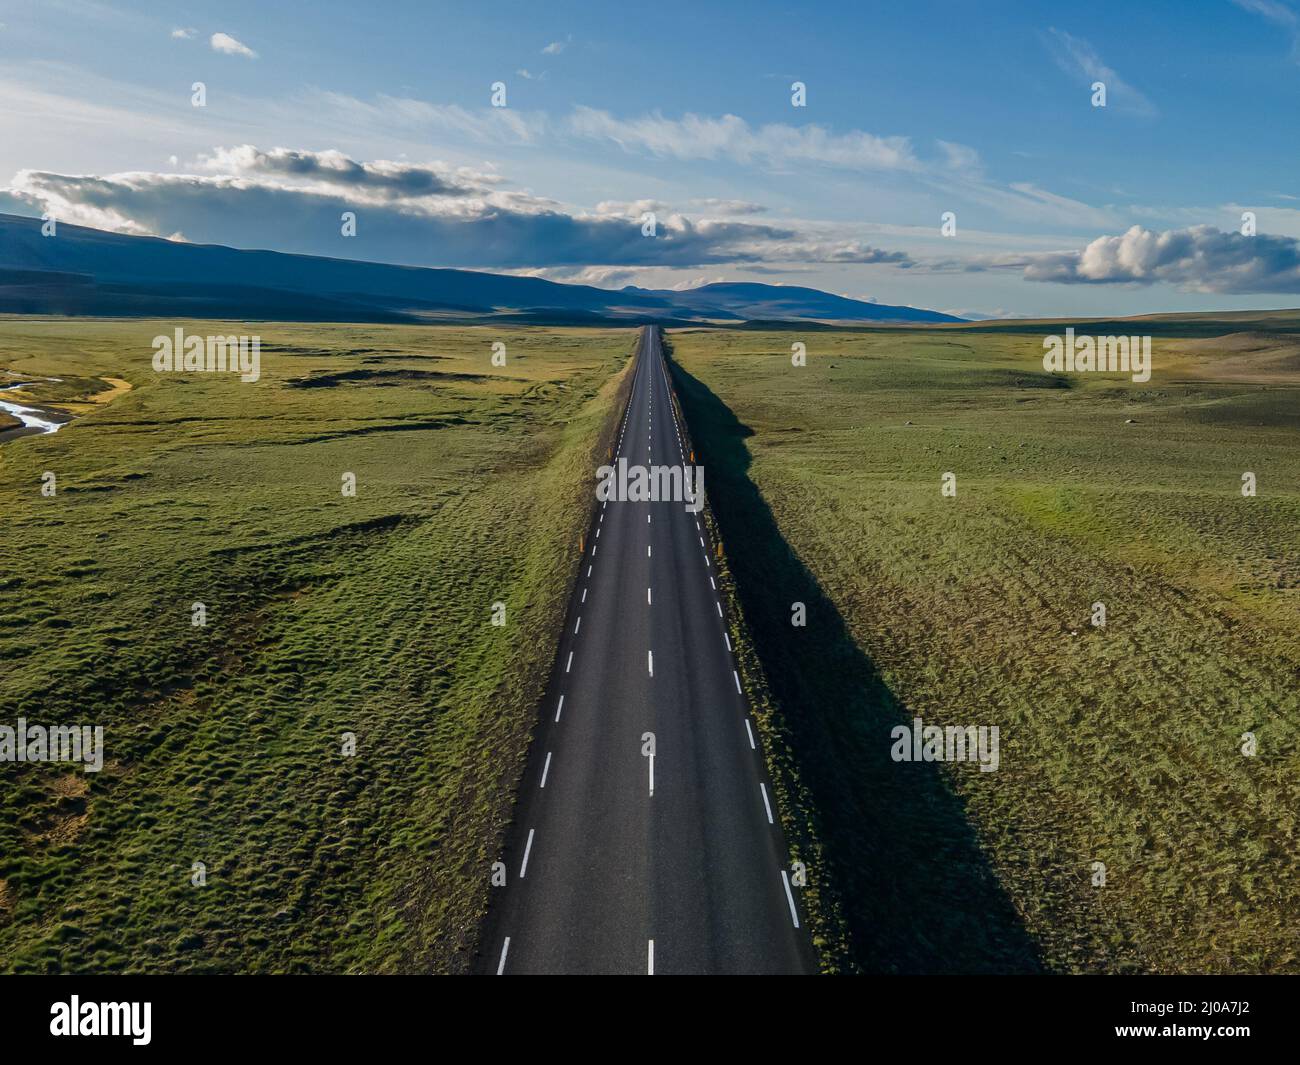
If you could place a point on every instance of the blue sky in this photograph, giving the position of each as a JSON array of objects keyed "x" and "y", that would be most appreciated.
[{"x": 984, "y": 110}]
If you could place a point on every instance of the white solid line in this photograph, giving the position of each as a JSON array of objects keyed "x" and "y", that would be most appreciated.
[
  {"x": 650, "y": 959},
  {"x": 794, "y": 914},
  {"x": 569, "y": 664},
  {"x": 767, "y": 805},
  {"x": 752, "y": 745},
  {"x": 579, "y": 624},
  {"x": 501, "y": 965},
  {"x": 650, "y": 660},
  {"x": 546, "y": 768},
  {"x": 736, "y": 677},
  {"x": 559, "y": 708},
  {"x": 528, "y": 847}
]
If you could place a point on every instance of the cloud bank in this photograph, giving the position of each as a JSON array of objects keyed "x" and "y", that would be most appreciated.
[{"x": 426, "y": 214}]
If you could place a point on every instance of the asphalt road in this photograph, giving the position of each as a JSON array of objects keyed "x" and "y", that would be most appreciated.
[{"x": 622, "y": 863}]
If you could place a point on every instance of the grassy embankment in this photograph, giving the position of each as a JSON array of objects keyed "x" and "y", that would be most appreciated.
[
  {"x": 325, "y": 615},
  {"x": 1119, "y": 744}
]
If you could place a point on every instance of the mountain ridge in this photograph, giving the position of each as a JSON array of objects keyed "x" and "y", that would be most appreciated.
[{"x": 92, "y": 272}]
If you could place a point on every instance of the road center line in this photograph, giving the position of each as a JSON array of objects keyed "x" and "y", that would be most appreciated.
[
  {"x": 547, "y": 767},
  {"x": 528, "y": 847},
  {"x": 766, "y": 805},
  {"x": 569, "y": 666},
  {"x": 501, "y": 965},
  {"x": 559, "y": 708}
]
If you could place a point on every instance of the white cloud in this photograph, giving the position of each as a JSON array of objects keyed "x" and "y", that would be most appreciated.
[
  {"x": 1078, "y": 58},
  {"x": 1269, "y": 9},
  {"x": 383, "y": 177},
  {"x": 556, "y": 47},
  {"x": 184, "y": 33},
  {"x": 731, "y": 137},
  {"x": 1278, "y": 14},
  {"x": 1199, "y": 258},
  {"x": 417, "y": 214},
  {"x": 228, "y": 45}
]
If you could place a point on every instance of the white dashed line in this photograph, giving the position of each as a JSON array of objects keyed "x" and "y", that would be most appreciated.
[
  {"x": 648, "y": 599},
  {"x": 569, "y": 666},
  {"x": 559, "y": 707},
  {"x": 647, "y": 550},
  {"x": 501, "y": 965},
  {"x": 650, "y": 661},
  {"x": 750, "y": 731},
  {"x": 528, "y": 848},
  {"x": 584, "y": 593},
  {"x": 789, "y": 897},
  {"x": 736, "y": 677},
  {"x": 718, "y": 605},
  {"x": 546, "y": 768},
  {"x": 766, "y": 805},
  {"x": 728, "y": 639},
  {"x": 578, "y": 625},
  {"x": 650, "y": 959},
  {"x": 588, "y": 571}
]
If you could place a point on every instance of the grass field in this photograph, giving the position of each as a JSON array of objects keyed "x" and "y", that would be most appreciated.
[
  {"x": 325, "y": 615},
  {"x": 1120, "y": 744}
]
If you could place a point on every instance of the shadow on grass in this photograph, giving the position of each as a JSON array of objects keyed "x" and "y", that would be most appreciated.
[{"x": 916, "y": 889}]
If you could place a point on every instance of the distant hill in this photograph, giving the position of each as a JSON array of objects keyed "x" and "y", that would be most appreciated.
[
  {"x": 747, "y": 300},
  {"x": 84, "y": 271}
]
